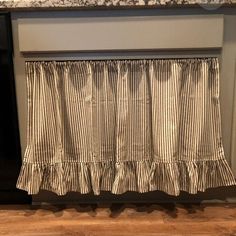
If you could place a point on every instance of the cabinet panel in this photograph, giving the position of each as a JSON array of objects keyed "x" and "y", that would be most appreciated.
[
  {"x": 120, "y": 33},
  {"x": 54, "y": 51}
]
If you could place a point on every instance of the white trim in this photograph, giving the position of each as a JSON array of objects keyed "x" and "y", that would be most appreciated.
[{"x": 233, "y": 133}]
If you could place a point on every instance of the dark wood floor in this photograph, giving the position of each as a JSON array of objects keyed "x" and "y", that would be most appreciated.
[{"x": 118, "y": 220}]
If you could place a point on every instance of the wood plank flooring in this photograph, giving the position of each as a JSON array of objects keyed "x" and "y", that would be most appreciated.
[{"x": 118, "y": 220}]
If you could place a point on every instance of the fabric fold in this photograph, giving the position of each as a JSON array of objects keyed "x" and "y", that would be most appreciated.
[{"x": 141, "y": 177}]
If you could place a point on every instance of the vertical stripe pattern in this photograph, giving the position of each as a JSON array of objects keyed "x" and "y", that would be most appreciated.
[{"x": 124, "y": 125}]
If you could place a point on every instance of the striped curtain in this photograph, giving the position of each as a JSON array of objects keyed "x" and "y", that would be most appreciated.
[{"x": 124, "y": 125}]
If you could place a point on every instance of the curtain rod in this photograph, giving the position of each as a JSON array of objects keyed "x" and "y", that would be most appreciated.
[
  {"x": 94, "y": 56},
  {"x": 111, "y": 59},
  {"x": 64, "y": 60}
]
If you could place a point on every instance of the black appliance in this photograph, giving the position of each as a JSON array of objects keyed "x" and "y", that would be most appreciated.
[{"x": 10, "y": 150}]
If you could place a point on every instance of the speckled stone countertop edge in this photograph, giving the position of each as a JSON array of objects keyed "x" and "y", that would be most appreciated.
[{"x": 110, "y": 4}]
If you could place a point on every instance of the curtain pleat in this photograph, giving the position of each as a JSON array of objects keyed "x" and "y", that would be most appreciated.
[{"x": 124, "y": 125}]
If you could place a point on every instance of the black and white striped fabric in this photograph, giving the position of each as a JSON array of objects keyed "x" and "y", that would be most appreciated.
[{"x": 124, "y": 125}]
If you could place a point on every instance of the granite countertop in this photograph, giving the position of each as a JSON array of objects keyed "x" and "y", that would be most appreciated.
[{"x": 57, "y": 4}]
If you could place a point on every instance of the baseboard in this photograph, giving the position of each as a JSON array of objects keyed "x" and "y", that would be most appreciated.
[
  {"x": 213, "y": 195},
  {"x": 14, "y": 197}
]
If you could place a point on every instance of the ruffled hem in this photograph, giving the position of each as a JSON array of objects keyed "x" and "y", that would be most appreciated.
[{"x": 143, "y": 176}]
